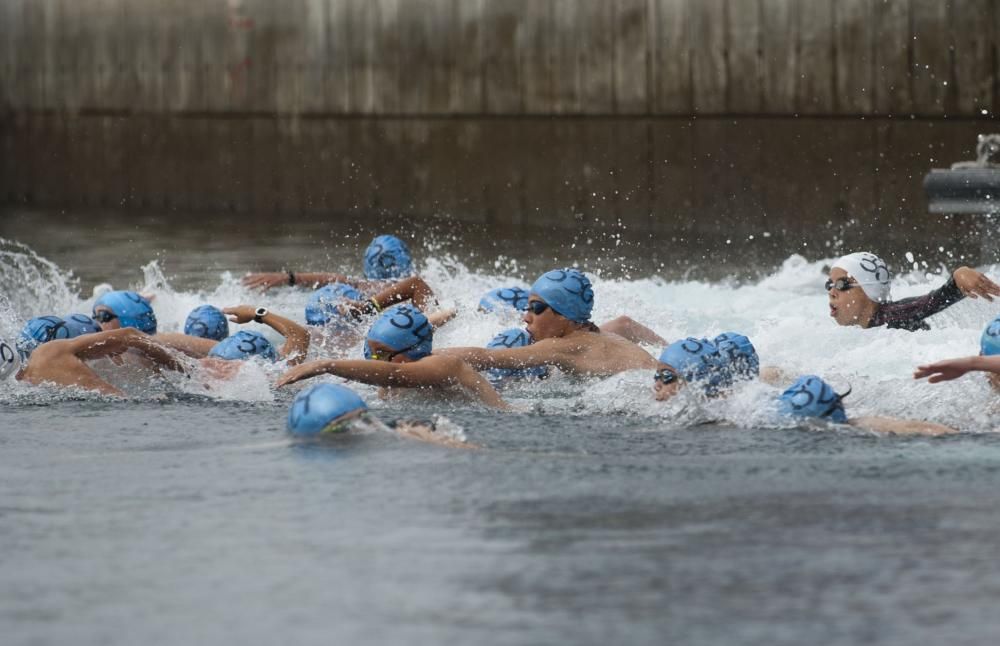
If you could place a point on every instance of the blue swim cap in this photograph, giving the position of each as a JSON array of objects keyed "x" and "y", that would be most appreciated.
[
  {"x": 39, "y": 330},
  {"x": 568, "y": 292},
  {"x": 989, "y": 343},
  {"x": 243, "y": 345},
  {"x": 694, "y": 359},
  {"x": 810, "y": 396},
  {"x": 387, "y": 257},
  {"x": 315, "y": 407},
  {"x": 321, "y": 308},
  {"x": 515, "y": 298},
  {"x": 739, "y": 354},
  {"x": 208, "y": 322},
  {"x": 405, "y": 329},
  {"x": 79, "y": 324},
  {"x": 514, "y": 338},
  {"x": 131, "y": 309}
]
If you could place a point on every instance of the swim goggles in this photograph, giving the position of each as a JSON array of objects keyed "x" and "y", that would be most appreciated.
[
  {"x": 104, "y": 316},
  {"x": 375, "y": 355},
  {"x": 665, "y": 376},
  {"x": 537, "y": 307},
  {"x": 842, "y": 284}
]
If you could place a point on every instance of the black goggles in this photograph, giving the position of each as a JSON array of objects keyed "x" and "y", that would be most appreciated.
[
  {"x": 537, "y": 307},
  {"x": 842, "y": 284},
  {"x": 665, "y": 376},
  {"x": 104, "y": 316}
]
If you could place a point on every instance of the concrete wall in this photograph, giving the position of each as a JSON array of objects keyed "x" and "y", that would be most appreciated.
[
  {"x": 506, "y": 57},
  {"x": 667, "y": 114}
]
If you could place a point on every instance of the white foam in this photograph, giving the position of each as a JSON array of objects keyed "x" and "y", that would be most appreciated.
[{"x": 785, "y": 314}]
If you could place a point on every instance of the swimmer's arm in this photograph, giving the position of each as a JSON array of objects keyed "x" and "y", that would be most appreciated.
[
  {"x": 440, "y": 317},
  {"x": 954, "y": 368},
  {"x": 541, "y": 353},
  {"x": 266, "y": 280},
  {"x": 975, "y": 284},
  {"x": 412, "y": 289},
  {"x": 55, "y": 363},
  {"x": 632, "y": 330},
  {"x": 193, "y": 346},
  {"x": 113, "y": 343},
  {"x": 900, "y": 426},
  {"x": 296, "y": 337},
  {"x": 773, "y": 375},
  {"x": 432, "y": 371}
]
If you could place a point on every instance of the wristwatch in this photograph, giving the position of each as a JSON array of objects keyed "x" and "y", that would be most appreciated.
[{"x": 260, "y": 314}]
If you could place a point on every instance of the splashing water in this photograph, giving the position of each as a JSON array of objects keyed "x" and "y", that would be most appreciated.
[{"x": 784, "y": 314}]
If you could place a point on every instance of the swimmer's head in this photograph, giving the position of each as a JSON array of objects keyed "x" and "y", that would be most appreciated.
[
  {"x": 738, "y": 354},
  {"x": 39, "y": 330},
  {"x": 245, "y": 344},
  {"x": 560, "y": 302},
  {"x": 322, "y": 306},
  {"x": 504, "y": 299},
  {"x": 121, "y": 309},
  {"x": 989, "y": 345},
  {"x": 401, "y": 333},
  {"x": 810, "y": 396},
  {"x": 387, "y": 257},
  {"x": 324, "y": 409},
  {"x": 690, "y": 360},
  {"x": 80, "y": 324},
  {"x": 513, "y": 338},
  {"x": 856, "y": 284},
  {"x": 207, "y": 322},
  {"x": 10, "y": 361}
]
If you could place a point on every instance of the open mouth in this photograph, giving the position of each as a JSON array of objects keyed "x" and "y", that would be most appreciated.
[{"x": 833, "y": 309}]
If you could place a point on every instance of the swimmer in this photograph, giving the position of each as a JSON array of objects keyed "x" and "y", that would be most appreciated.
[
  {"x": 207, "y": 322},
  {"x": 63, "y": 362},
  {"x": 386, "y": 258},
  {"x": 988, "y": 361},
  {"x": 811, "y": 397},
  {"x": 513, "y": 338},
  {"x": 699, "y": 361},
  {"x": 43, "y": 329},
  {"x": 294, "y": 349},
  {"x": 119, "y": 309},
  {"x": 871, "y": 305},
  {"x": 503, "y": 300},
  {"x": 327, "y": 410},
  {"x": 558, "y": 318},
  {"x": 398, "y": 355},
  {"x": 339, "y": 310}
]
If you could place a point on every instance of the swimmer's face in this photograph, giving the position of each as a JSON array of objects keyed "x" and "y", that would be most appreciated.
[
  {"x": 662, "y": 391},
  {"x": 107, "y": 319},
  {"x": 851, "y": 306},
  {"x": 382, "y": 352},
  {"x": 546, "y": 323}
]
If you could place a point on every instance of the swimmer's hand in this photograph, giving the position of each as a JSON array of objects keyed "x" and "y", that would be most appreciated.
[
  {"x": 265, "y": 281},
  {"x": 240, "y": 313},
  {"x": 945, "y": 370},
  {"x": 357, "y": 310},
  {"x": 305, "y": 371},
  {"x": 975, "y": 284}
]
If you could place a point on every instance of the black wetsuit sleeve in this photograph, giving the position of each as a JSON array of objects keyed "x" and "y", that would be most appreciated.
[{"x": 909, "y": 313}]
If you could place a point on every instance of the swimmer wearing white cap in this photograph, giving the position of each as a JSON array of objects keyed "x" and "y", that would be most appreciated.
[
  {"x": 63, "y": 362},
  {"x": 859, "y": 287}
]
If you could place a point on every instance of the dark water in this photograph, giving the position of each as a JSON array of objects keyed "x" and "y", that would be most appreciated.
[
  {"x": 179, "y": 523},
  {"x": 174, "y": 519}
]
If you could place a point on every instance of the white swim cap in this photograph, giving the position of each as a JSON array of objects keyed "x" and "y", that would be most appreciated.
[
  {"x": 10, "y": 361},
  {"x": 870, "y": 271}
]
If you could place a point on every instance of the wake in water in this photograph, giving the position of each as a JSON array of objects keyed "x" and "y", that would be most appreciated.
[{"x": 785, "y": 314}]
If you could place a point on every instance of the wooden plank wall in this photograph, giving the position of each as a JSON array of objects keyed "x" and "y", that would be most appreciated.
[{"x": 502, "y": 57}]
